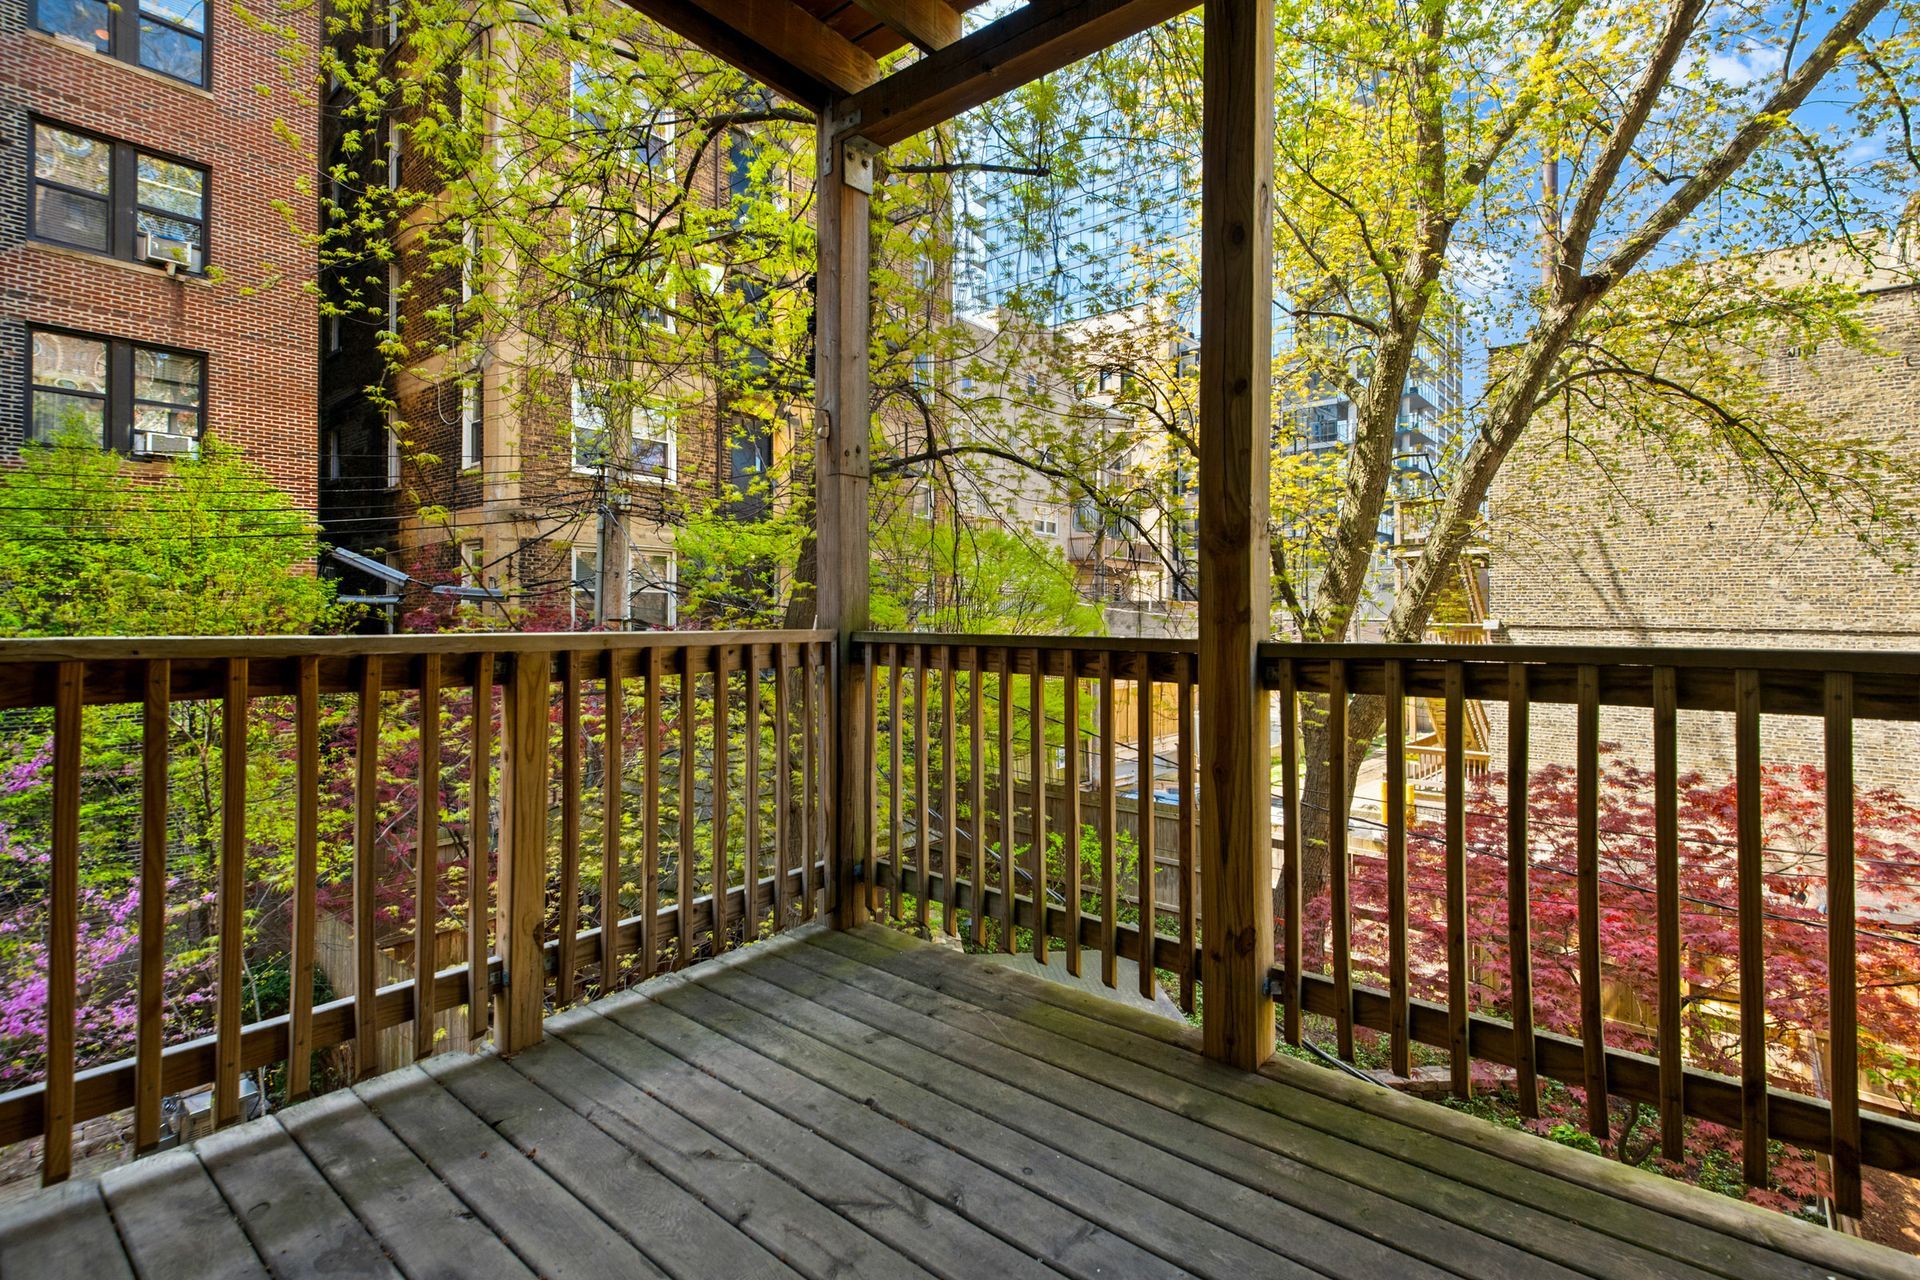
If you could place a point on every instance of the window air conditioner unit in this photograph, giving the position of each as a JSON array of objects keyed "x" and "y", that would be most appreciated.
[
  {"x": 167, "y": 250},
  {"x": 164, "y": 444}
]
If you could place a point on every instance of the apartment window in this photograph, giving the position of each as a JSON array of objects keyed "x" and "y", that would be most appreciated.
[
  {"x": 585, "y": 584},
  {"x": 652, "y": 596},
  {"x": 148, "y": 401},
  {"x": 393, "y": 456},
  {"x": 1047, "y": 525},
  {"x": 168, "y": 36},
  {"x": 393, "y": 154},
  {"x": 650, "y": 447},
  {"x": 111, "y": 197},
  {"x": 472, "y": 427},
  {"x": 603, "y": 102},
  {"x": 473, "y": 563}
]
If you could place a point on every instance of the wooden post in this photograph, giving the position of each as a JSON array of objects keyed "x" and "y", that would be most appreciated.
[
  {"x": 1236, "y": 298},
  {"x": 522, "y": 884},
  {"x": 842, "y": 316}
]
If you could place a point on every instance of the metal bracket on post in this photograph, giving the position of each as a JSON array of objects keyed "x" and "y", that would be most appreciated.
[{"x": 857, "y": 172}]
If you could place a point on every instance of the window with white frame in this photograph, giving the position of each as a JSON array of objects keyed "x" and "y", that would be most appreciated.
[
  {"x": 649, "y": 444},
  {"x": 393, "y": 154},
  {"x": 1046, "y": 525},
  {"x": 585, "y": 584},
  {"x": 473, "y": 563},
  {"x": 652, "y": 594},
  {"x": 393, "y": 456},
  {"x": 472, "y": 426},
  {"x": 606, "y": 102}
]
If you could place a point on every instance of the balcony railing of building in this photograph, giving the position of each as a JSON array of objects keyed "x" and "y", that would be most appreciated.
[
  {"x": 955, "y": 747},
  {"x": 716, "y": 831},
  {"x": 718, "y": 733}
]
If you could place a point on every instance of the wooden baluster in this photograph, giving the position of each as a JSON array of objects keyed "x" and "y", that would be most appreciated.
[
  {"x": 1668, "y": 941},
  {"x": 783, "y": 786},
  {"x": 1109, "y": 832},
  {"x": 1753, "y": 960},
  {"x": 612, "y": 796},
  {"x": 1146, "y": 814},
  {"x": 654, "y": 690},
  {"x": 1070, "y": 787},
  {"x": 426, "y": 856},
  {"x": 1339, "y": 870},
  {"x": 870, "y": 781},
  {"x": 1587, "y": 866},
  {"x": 1184, "y": 787},
  {"x": 1519, "y": 893},
  {"x": 689, "y": 764},
  {"x": 826, "y": 728},
  {"x": 154, "y": 759},
  {"x": 750, "y": 859},
  {"x": 1842, "y": 1013},
  {"x": 810, "y": 825},
  {"x": 895, "y": 791},
  {"x": 976, "y": 795},
  {"x": 366, "y": 870},
  {"x": 565, "y": 990},
  {"x": 479, "y": 841},
  {"x": 949, "y": 801},
  {"x": 922, "y": 827},
  {"x": 1009, "y": 877},
  {"x": 722, "y": 784},
  {"x": 1458, "y": 941},
  {"x": 231, "y": 906},
  {"x": 525, "y": 825},
  {"x": 63, "y": 923},
  {"x": 1398, "y": 1025},
  {"x": 1037, "y": 736}
]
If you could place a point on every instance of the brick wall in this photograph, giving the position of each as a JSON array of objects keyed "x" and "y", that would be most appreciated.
[
  {"x": 1577, "y": 561},
  {"x": 258, "y": 324}
]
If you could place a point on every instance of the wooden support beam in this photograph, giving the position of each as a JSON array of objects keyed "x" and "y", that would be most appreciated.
[
  {"x": 771, "y": 37},
  {"x": 842, "y": 317},
  {"x": 524, "y": 825},
  {"x": 717, "y": 33},
  {"x": 1236, "y": 300},
  {"x": 930, "y": 24},
  {"x": 1033, "y": 40}
]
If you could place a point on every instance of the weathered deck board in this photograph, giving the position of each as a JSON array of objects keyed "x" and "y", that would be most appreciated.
[
  {"x": 174, "y": 1222},
  {"x": 426, "y": 1228},
  {"x": 297, "y": 1222},
  {"x": 1713, "y": 1232},
  {"x": 861, "y": 1105}
]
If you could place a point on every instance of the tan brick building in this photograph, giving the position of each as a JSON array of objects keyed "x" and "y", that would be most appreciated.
[
  {"x": 1642, "y": 555},
  {"x": 155, "y": 200}
]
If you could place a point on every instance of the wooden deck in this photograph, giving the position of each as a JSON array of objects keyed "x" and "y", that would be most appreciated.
[{"x": 841, "y": 1105}]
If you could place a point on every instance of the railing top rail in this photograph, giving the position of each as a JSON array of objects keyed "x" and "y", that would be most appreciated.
[
  {"x": 1088, "y": 644},
  {"x": 123, "y": 648},
  {"x": 1860, "y": 661}
]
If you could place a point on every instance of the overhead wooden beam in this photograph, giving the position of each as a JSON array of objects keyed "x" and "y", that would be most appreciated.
[
  {"x": 752, "y": 35},
  {"x": 1236, "y": 353},
  {"x": 931, "y": 24},
  {"x": 1028, "y": 43},
  {"x": 843, "y": 396},
  {"x": 795, "y": 35}
]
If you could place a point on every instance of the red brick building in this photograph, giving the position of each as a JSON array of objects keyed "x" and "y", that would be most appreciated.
[{"x": 154, "y": 205}]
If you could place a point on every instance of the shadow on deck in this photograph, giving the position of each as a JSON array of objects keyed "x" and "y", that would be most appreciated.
[{"x": 864, "y": 1105}]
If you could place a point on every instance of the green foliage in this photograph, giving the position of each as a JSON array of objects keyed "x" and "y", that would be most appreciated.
[{"x": 91, "y": 544}]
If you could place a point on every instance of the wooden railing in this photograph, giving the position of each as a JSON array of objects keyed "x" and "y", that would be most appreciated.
[
  {"x": 984, "y": 752},
  {"x": 963, "y": 841},
  {"x": 712, "y": 814},
  {"x": 1833, "y": 689}
]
